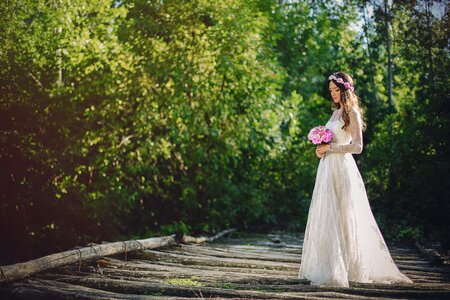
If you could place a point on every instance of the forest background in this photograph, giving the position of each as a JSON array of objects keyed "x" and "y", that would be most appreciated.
[{"x": 127, "y": 119}]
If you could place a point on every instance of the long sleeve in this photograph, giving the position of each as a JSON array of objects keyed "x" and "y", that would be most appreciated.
[{"x": 355, "y": 128}]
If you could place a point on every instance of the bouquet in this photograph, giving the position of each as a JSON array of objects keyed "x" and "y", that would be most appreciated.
[{"x": 320, "y": 135}]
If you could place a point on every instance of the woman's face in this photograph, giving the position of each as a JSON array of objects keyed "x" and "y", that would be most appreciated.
[{"x": 335, "y": 92}]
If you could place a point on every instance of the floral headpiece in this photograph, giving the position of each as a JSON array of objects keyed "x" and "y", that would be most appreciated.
[{"x": 347, "y": 85}]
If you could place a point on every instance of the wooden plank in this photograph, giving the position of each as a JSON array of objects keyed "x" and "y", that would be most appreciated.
[
  {"x": 257, "y": 268},
  {"x": 259, "y": 291},
  {"x": 214, "y": 261},
  {"x": 25, "y": 269},
  {"x": 164, "y": 270},
  {"x": 43, "y": 289},
  {"x": 135, "y": 287},
  {"x": 211, "y": 251}
]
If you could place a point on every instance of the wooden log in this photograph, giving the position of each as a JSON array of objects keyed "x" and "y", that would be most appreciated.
[
  {"x": 265, "y": 281},
  {"x": 138, "y": 287},
  {"x": 198, "y": 240},
  {"x": 161, "y": 270},
  {"x": 25, "y": 269},
  {"x": 383, "y": 292},
  {"x": 287, "y": 291},
  {"x": 260, "y": 248},
  {"x": 22, "y": 270},
  {"x": 211, "y": 251},
  {"x": 43, "y": 289},
  {"x": 431, "y": 254},
  {"x": 214, "y": 261},
  {"x": 157, "y": 272},
  {"x": 424, "y": 268},
  {"x": 220, "y": 270}
]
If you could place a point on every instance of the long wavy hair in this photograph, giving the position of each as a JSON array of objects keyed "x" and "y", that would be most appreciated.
[{"x": 349, "y": 98}]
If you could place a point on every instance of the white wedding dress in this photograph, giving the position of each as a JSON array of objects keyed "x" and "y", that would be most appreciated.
[{"x": 342, "y": 240}]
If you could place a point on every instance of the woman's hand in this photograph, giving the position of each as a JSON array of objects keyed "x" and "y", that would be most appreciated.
[
  {"x": 321, "y": 149},
  {"x": 318, "y": 155}
]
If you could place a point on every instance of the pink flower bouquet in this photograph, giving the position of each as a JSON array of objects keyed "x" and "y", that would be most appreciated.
[{"x": 320, "y": 135}]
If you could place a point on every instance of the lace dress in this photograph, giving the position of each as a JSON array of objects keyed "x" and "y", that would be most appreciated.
[{"x": 342, "y": 240}]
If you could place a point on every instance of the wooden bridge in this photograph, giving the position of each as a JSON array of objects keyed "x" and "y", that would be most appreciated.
[{"x": 234, "y": 266}]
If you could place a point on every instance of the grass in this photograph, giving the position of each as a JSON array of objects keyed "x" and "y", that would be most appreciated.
[{"x": 193, "y": 281}]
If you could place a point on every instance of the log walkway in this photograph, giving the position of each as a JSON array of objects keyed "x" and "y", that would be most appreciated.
[{"x": 256, "y": 267}]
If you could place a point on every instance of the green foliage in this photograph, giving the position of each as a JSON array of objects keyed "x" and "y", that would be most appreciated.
[
  {"x": 406, "y": 171},
  {"x": 146, "y": 117}
]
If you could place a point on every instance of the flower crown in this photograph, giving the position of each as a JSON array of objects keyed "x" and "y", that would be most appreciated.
[{"x": 347, "y": 85}]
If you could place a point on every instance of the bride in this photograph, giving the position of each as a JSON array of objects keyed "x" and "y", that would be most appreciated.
[{"x": 342, "y": 240}]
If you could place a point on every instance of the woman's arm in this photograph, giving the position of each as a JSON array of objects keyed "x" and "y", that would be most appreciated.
[{"x": 355, "y": 128}]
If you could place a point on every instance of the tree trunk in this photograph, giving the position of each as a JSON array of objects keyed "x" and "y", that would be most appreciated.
[{"x": 388, "y": 49}]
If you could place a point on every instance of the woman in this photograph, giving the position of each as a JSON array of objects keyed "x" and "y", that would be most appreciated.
[{"x": 342, "y": 241}]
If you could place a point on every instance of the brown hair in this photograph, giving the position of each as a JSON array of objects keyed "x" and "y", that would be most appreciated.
[{"x": 348, "y": 98}]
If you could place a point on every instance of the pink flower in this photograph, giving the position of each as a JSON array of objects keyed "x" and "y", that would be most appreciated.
[
  {"x": 341, "y": 81},
  {"x": 320, "y": 135}
]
